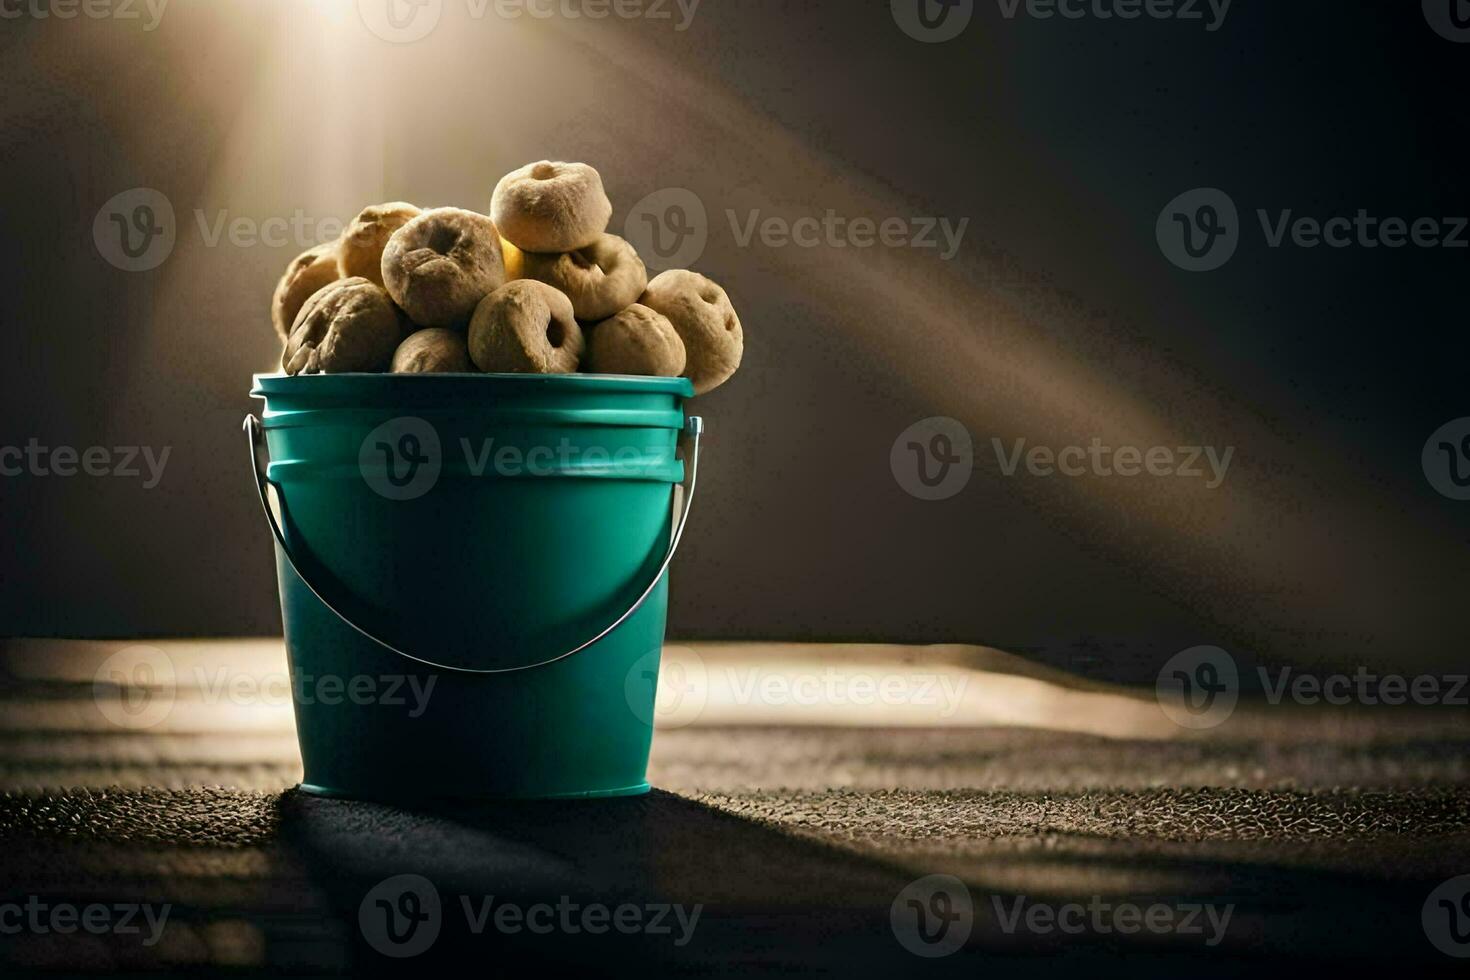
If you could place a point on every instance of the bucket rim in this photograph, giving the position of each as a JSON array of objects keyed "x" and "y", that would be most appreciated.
[{"x": 358, "y": 383}]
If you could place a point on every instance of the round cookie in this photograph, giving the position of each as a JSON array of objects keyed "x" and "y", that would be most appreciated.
[
  {"x": 433, "y": 350},
  {"x": 601, "y": 279},
  {"x": 308, "y": 272},
  {"x": 701, "y": 313},
  {"x": 441, "y": 264},
  {"x": 348, "y": 325},
  {"x": 551, "y": 206},
  {"x": 635, "y": 341},
  {"x": 360, "y": 252},
  {"x": 526, "y": 327}
]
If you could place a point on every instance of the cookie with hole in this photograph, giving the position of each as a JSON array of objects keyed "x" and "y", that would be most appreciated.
[
  {"x": 551, "y": 206},
  {"x": 526, "y": 327},
  {"x": 439, "y": 265},
  {"x": 703, "y": 316},
  {"x": 600, "y": 280}
]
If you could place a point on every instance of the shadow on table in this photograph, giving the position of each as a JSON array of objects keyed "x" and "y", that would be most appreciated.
[
  {"x": 661, "y": 878},
  {"x": 702, "y": 891},
  {"x": 658, "y": 883}
]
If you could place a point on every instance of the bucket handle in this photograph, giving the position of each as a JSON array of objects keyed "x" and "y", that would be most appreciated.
[{"x": 694, "y": 425}]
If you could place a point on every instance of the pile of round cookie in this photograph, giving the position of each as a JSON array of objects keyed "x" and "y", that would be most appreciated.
[{"x": 538, "y": 286}]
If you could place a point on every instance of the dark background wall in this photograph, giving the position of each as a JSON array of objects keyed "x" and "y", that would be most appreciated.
[{"x": 1060, "y": 318}]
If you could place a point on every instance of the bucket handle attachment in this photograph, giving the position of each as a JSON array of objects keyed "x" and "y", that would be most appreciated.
[{"x": 694, "y": 425}]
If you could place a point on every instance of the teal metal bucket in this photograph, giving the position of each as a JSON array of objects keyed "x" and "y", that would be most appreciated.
[{"x": 473, "y": 576}]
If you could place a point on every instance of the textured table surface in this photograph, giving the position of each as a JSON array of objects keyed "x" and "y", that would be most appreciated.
[{"x": 1320, "y": 835}]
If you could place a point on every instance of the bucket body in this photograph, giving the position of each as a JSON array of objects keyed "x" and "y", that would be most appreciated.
[{"x": 487, "y": 522}]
